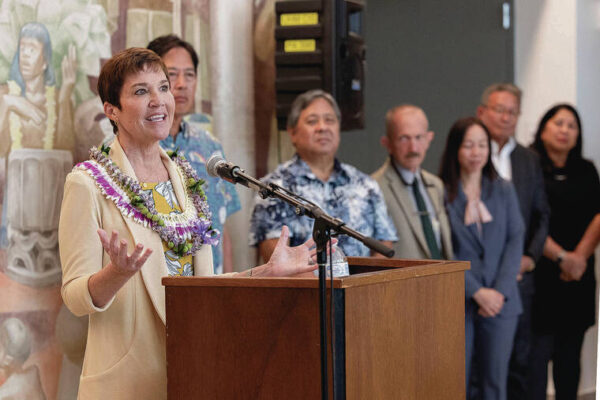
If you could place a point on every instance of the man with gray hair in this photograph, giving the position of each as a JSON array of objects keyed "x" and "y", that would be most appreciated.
[
  {"x": 499, "y": 111},
  {"x": 414, "y": 197},
  {"x": 315, "y": 174}
]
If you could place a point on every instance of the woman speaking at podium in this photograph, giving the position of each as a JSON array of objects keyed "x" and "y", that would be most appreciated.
[{"x": 132, "y": 214}]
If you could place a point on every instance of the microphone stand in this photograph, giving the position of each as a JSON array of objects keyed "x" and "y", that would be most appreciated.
[
  {"x": 321, "y": 235},
  {"x": 323, "y": 225}
]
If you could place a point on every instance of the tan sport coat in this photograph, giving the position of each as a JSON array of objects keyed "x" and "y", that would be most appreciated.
[
  {"x": 125, "y": 354},
  {"x": 411, "y": 240}
]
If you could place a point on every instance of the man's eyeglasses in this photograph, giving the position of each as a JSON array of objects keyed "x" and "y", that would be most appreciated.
[{"x": 503, "y": 110}]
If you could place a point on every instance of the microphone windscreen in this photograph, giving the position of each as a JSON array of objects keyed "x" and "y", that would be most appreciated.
[{"x": 213, "y": 163}]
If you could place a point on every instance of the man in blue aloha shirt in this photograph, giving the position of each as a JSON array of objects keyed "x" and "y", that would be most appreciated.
[
  {"x": 190, "y": 134},
  {"x": 315, "y": 174}
]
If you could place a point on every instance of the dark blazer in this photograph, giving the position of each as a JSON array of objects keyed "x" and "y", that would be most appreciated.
[
  {"x": 528, "y": 179},
  {"x": 495, "y": 256}
]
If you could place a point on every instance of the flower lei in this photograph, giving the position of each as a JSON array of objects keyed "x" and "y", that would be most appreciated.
[{"x": 184, "y": 233}]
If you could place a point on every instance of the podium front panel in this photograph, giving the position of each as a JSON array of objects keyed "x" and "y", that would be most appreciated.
[
  {"x": 399, "y": 335},
  {"x": 405, "y": 339},
  {"x": 243, "y": 343}
]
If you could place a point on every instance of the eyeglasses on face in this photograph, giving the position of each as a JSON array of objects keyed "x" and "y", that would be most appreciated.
[{"x": 503, "y": 110}]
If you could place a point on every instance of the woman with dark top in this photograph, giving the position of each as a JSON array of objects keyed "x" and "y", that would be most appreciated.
[
  {"x": 487, "y": 230},
  {"x": 564, "y": 304}
]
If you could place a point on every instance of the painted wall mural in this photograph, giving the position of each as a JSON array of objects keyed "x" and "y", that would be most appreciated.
[{"x": 50, "y": 115}]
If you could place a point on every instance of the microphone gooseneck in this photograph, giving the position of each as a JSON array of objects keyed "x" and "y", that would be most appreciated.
[{"x": 217, "y": 166}]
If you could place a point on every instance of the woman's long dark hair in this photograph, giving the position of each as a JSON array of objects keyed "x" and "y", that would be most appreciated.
[
  {"x": 575, "y": 154},
  {"x": 450, "y": 168}
]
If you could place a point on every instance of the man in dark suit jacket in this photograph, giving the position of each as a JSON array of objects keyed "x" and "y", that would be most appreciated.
[
  {"x": 407, "y": 140},
  {"x": 499, "y": 111}
]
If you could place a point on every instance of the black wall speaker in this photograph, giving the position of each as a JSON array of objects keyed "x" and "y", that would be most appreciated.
[{"x": 320, "y": 45}]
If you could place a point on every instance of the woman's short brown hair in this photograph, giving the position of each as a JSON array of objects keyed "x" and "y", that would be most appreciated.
[{"x": 119, "y": 67}]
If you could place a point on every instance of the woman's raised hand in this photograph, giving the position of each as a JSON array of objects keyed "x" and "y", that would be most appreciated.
[
  {"x": 104, "y": 284},
  {"x": 117, "y": 250}
]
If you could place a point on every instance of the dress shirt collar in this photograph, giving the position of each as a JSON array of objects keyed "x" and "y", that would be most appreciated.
[
  {"x": 406, "y": 175},
  {"x": 501, "y": 158},
  {"x": 338, "y": 174},
  {"x": 184, "y": 129},
  {"x": 181, "y": 137}
]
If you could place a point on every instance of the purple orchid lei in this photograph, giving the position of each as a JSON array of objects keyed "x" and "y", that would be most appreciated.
[{"x": 184, "y": 233}]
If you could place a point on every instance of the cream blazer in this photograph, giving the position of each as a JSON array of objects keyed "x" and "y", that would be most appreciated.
[{"x": 125, "y": 354}]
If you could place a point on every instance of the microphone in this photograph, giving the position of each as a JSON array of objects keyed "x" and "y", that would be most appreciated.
[{"x": 217, "y": 166}]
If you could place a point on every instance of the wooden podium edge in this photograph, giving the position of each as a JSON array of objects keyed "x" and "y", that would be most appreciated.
[{"x": 384, "y": 270}]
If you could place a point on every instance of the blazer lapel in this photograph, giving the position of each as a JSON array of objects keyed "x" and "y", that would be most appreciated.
[
  {"x": 434, "y": 196},
  {"x": 155, "y": 267},
  {"x": 515, "y": 162},
  {"x": 460, "y": 205},
  {"x": 403, "y": 197},
  {"x": 203, "y": 262},
  {"x": 486, "y": 198}
]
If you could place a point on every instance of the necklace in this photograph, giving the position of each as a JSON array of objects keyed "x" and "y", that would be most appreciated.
[{"x": 184, "y": 233}]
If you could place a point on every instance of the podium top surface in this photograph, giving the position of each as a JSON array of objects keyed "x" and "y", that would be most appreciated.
[{"x": 363, "y": 271}]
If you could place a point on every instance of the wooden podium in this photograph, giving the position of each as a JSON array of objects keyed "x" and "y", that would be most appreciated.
[{"x": 399, "y": 334}]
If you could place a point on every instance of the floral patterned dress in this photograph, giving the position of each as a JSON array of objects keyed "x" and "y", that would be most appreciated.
[{"x": 165, "y": 203}]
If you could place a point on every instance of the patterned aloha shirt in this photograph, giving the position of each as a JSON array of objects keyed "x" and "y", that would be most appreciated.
[
  {"x": 197, "y": 145},
  {"x": 348, "y": 194},
  {"x": 165, "y": 202}
]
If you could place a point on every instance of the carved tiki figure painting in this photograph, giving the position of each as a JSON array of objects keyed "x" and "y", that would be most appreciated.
[
  {"x": 35, "y": 124},
  {"x": 36, "y": 147},
  {"x": 50, "y": 115},
  {"x": 37, "y": 117}
]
